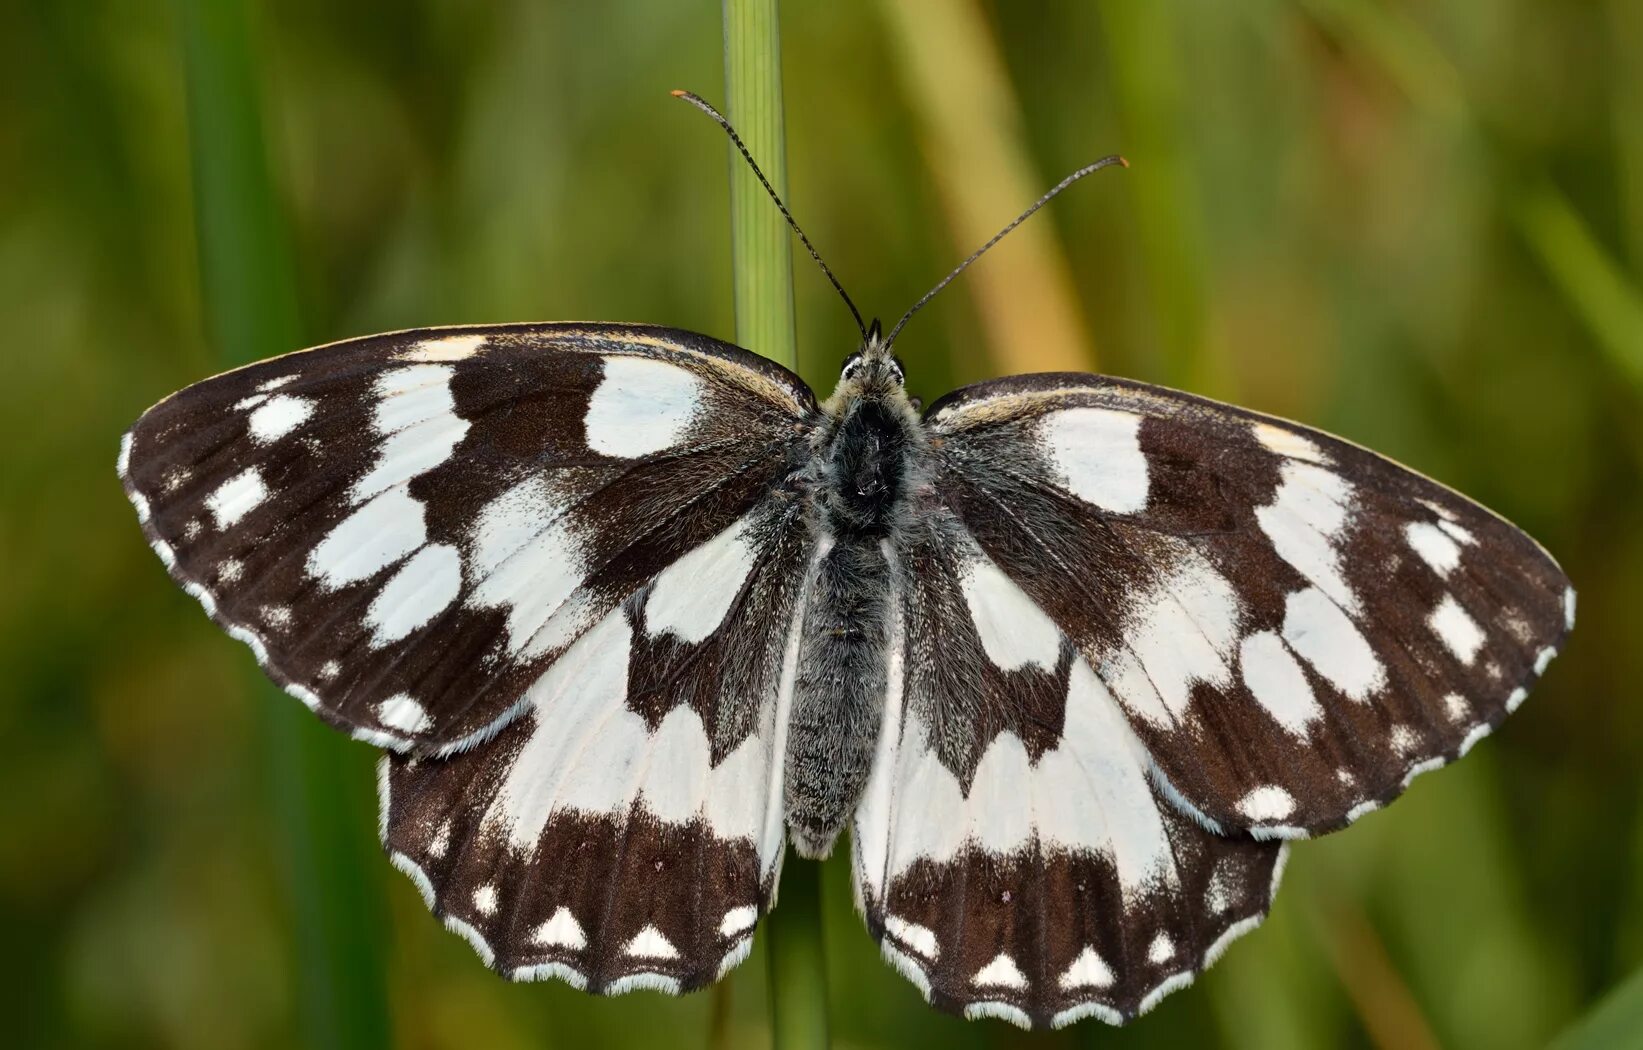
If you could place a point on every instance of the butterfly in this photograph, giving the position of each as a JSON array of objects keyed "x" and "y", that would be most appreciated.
[{"x": 628, "y": 608}]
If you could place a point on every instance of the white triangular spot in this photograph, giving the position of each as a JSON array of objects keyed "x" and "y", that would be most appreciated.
[
  {"x": 1087, "y": 971},
  {"x": 1001, "y": 972},
  {"x": 485, "y": 899},
  {"x": 562, "y": 931},
  {"x": 1161, "y": 951},
  {"x": 649, "y": 943}
]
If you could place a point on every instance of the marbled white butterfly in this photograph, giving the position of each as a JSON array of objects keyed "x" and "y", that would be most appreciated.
[{"x": 1072, "y": 656}]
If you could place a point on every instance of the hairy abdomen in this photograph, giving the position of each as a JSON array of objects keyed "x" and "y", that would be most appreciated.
[{"x": 839, "y": 696}]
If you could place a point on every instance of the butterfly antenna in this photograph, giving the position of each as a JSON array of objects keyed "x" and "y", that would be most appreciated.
[
  {"x": 1090, "y": 169},
  {"x": 719, "y": 118}
]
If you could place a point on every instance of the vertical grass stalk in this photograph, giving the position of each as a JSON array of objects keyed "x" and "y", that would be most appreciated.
[
  {"x": 320, "y": 796},
  {"x": 762, "y": 256},
  {"x": 761, "y": 246}
]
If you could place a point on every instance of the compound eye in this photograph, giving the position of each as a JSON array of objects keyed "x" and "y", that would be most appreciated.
[
  {"x": 895, "y": 366},
  {"x": 852, "y": 365}
]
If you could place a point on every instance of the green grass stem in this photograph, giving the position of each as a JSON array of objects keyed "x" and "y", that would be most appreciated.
[
  {"x": 762, "y": 256},
  {"x": 761, "y": 246}
]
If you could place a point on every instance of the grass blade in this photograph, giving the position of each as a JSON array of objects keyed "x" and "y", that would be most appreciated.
[
  {"x": 762, "y": 255},
  {"x": 761, "y": 246}
]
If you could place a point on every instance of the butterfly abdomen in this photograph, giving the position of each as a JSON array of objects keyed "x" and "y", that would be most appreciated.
[{"x": 839, "y": 699}]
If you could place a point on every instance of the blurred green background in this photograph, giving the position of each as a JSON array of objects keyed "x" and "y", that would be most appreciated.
[{"x": 1416, "y": 223}]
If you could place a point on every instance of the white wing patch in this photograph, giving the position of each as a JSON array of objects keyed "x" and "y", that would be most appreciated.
[
  {"x": 237, "y": 497},
  {"x": 375, "y": 536},
  {"x": 641, "y": 407},
  {"x": 1089, "y": 793},
  {"x": 1457, "y": 629},
  {"x": 419, "y": 590},
  {"x": 1014, "y": 632},
  {"x": 402, "y": 712},
  {"x": 406, "y": 396},
  {"x": 529, "y": 558},
  {"x": 1307, "y": 517},
  {"x": 411, "y": 451},
  {"x": 1277, "y": 682},
  {"x": 589, "y": 753},
  {"x": 1289, "y": 444},
  {"x": 692, "y": 596},
  {"x": 1098, "y": 453},
  {"x": 1323, "y": 636},
  {"x": 277, "y": 417},
  {"x": 1183, "y": 629},
  {"x": 446, "y": 348},
  {"x": 1434, "y": 546}
]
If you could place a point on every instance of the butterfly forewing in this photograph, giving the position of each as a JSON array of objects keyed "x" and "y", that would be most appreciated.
[
  {"x": 408, "y": 529},
  {"x": 1012, "y": 854},
  {"x": 625, "y": 831},
  {"x": 1293, "y": 626}
]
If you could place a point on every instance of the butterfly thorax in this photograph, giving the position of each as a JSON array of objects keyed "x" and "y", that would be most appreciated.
[{"x": 865, "y": 450}]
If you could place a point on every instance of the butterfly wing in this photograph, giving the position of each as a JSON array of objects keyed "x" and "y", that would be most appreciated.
[
  {"x": 626, "y": 830},
  {"x": 409, "y": 529},
  {"x": 1293, "y": 626},
  {"x": 1012, "y": 855}
]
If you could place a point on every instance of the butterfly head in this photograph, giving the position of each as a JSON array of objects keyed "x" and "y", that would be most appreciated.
[{"x": 873, "y": 368}]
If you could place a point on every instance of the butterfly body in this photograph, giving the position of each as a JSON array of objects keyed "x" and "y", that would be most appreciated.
[
  {"x": 867, "y": 447},
  {"x": 1072, "y": 657}
]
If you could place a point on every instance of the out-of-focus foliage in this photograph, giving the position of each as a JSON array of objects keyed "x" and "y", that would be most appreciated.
[{"x": 1417, "y": 224}]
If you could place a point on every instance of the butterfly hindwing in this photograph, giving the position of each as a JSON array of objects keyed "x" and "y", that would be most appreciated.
[
  {"x": 1293, "y": 626},
  {"x": 626, "y": 830},
  {"x": 408, "y": 529},
  {"x": 1012, "y": 854}
]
